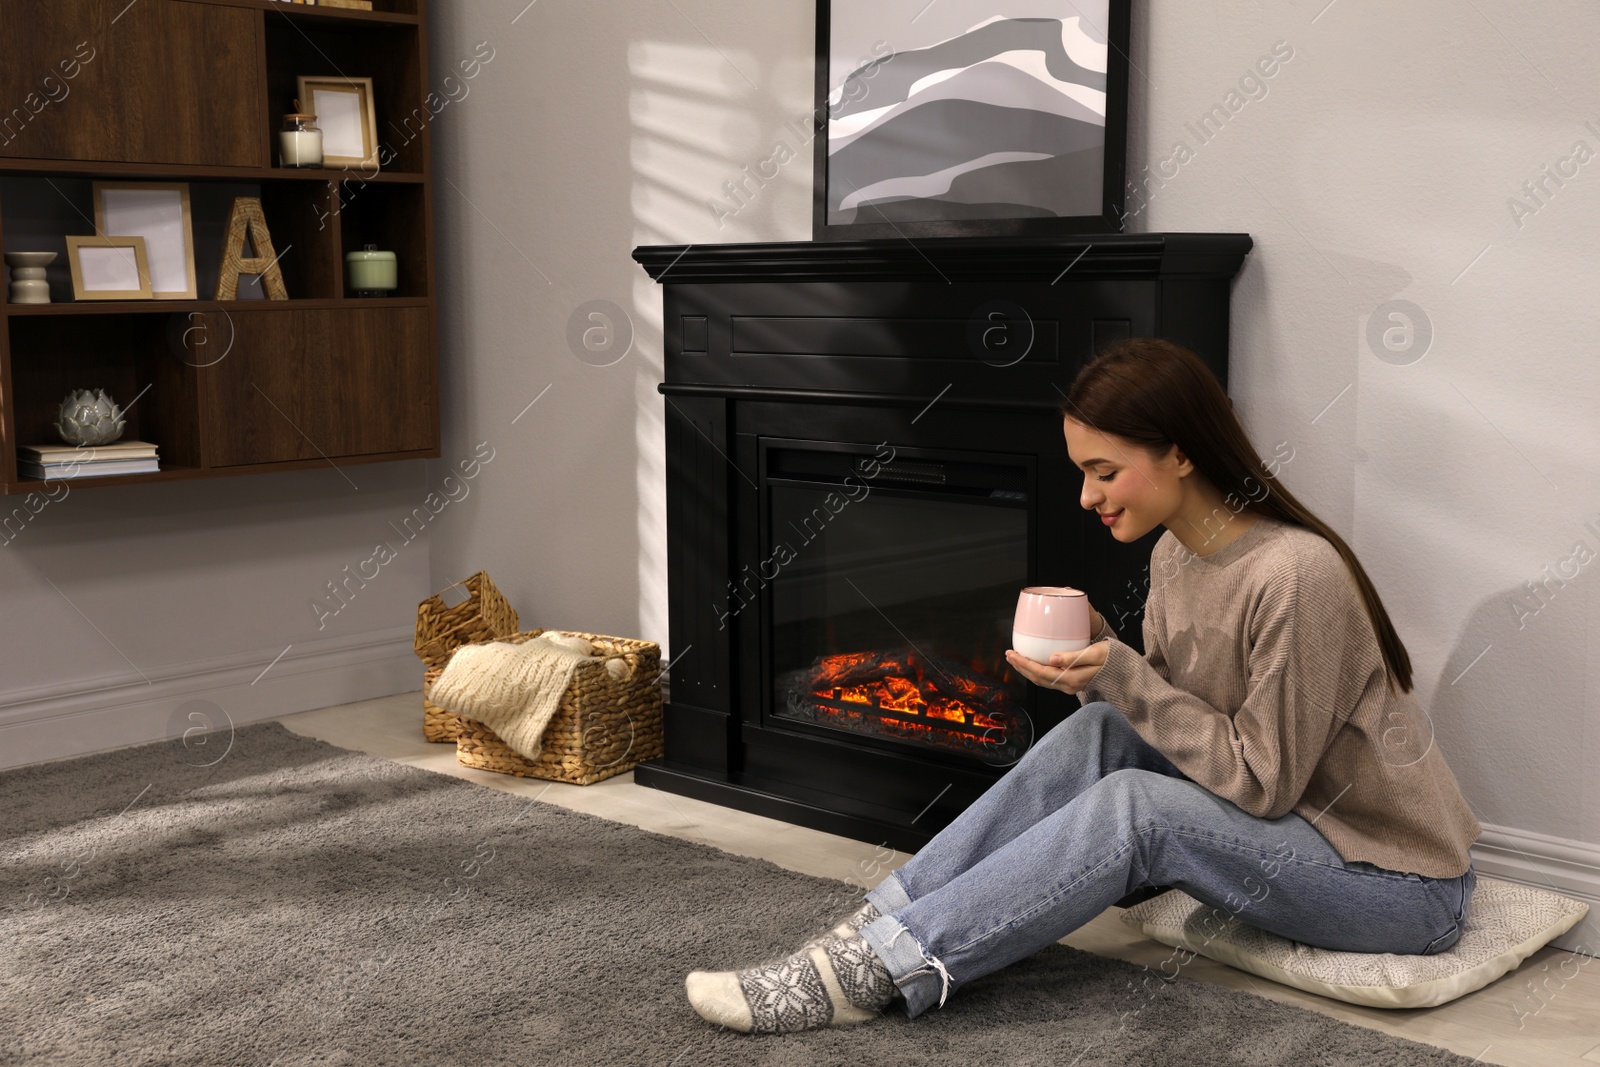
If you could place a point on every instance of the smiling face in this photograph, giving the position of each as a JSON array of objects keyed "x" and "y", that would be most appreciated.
[{"x": 1119, "y": 475}]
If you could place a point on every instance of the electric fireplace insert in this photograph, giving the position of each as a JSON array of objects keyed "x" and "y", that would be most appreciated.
[{"x": 890, "y": 619}]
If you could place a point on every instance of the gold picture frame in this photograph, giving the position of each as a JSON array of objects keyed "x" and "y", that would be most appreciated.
[
  {"x": 159, "y": 212},
  {"x": 101, "y": 269},
  {"x": 346, "y": 117}
]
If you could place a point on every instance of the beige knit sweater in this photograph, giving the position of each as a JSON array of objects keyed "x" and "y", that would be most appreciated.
[{"x": 1264, "y": 682}]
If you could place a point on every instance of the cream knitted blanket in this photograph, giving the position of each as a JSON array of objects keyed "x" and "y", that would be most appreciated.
[{"x": 513, "y": 689}]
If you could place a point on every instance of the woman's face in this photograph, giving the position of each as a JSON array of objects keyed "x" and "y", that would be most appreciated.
[{"x": 1119, "y": 478}]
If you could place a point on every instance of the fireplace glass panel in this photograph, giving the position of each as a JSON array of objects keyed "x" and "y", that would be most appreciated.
[{"x": 891, "y": 615}]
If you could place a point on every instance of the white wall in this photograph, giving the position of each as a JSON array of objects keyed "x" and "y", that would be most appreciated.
[
  {"x": 595, "y": 128},
  {"x": 130, "y": 608},
  {"x": 1376, "y": 167}
]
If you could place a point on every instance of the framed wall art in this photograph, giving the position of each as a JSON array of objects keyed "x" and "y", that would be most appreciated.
[
  {"x": 108, "y": 268},
  {"x": 158, "y": 212},
  {"x": 344, "y": 111},
  {"x": 948, "y": 120}
]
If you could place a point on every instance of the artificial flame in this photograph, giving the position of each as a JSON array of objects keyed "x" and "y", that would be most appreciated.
[{"x": 907, "y": 691}]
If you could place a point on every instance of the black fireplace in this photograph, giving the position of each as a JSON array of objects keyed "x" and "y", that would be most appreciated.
[{"x": 865, "y": 464}]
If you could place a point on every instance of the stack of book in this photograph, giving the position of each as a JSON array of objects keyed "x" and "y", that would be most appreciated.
[{"x": 86, "y": 461}]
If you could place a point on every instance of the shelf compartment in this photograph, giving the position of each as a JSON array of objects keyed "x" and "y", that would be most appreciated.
[
  {"x": 130, "y": 357},
  {"x": 40, "y": 211},
  {"x": 386, "y": 53},
  {"x": 300, "y": 218},
  {"x": 387, "y": 216}
]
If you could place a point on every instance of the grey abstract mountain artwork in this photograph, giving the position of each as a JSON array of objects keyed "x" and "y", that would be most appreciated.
[{"x": 1005, "y": 118}]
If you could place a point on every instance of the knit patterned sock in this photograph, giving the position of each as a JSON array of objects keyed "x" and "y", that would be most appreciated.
[
  {"x": 837, "y": 982},
  {"x": 848, "y": 925}
]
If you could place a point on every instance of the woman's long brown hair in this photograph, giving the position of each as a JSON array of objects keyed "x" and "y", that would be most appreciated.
[{"x": 1156, "y": 394}]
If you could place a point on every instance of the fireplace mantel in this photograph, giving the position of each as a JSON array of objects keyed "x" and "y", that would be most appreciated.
[
  {"x": 953, "y": 259},
  {"x": 794, "y": 357}
]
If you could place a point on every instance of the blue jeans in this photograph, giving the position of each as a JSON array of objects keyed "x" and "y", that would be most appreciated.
[{"x": 1094, "y": 812}]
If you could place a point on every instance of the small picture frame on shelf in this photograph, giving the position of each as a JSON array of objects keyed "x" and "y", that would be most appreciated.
[
  {"x": 109, "y": 268},
  {"x": 158, "y": 212},
  {"x": 345, "y": 114}
]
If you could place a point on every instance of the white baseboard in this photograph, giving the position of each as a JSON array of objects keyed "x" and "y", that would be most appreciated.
[
  {"x": 80, "y": 716},
  {"x": 1571, "y": 868}
]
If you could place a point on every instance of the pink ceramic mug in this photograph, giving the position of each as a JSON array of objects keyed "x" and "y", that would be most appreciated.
[{"x": 1050, "y": 619}]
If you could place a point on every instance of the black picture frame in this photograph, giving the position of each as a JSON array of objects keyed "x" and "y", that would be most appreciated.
[{"x": 876, "y": 224}]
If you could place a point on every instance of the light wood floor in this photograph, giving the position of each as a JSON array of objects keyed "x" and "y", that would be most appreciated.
[{"x": 1497, "y": 1024}]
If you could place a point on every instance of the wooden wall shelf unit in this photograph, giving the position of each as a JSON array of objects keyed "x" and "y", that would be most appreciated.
[{"x": 193, "y": 91}]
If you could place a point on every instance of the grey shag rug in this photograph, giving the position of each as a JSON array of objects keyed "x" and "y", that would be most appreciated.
[{"x": 267, "y": 899}]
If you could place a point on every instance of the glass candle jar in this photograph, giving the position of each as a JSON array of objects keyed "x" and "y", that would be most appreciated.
[{"x": 299, "y": 141}]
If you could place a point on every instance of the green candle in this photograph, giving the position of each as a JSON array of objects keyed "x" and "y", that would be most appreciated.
[{"x": 371, "y": 272}]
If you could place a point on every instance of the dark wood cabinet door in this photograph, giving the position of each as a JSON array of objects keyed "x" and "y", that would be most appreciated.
[
  {"x": 155, "y": 81},
  {"x": 321, "y": 384},
  {"x": 252, "y": 395}
]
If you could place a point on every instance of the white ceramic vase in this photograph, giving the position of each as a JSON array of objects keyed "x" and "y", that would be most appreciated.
[{"x": 28, "y": 284}]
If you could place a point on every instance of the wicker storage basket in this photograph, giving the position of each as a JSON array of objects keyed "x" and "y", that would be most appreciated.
[
  {"x": 602, "y": 727},
  {"x": 438, "y": 725},
  {"x": 484, "y": 616}
]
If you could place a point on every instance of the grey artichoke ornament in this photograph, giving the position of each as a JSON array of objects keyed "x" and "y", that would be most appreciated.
[{"x": 89, "y": 418}]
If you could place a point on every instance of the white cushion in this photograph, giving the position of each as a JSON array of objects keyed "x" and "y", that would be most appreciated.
[{"x": 1506, "y": 923}]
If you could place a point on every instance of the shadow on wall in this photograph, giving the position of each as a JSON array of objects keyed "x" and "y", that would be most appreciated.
[
  {"x": 118, "y": 533},
  {"x": 1511, "y": 731},
  {"x": 162, "y": 574}
]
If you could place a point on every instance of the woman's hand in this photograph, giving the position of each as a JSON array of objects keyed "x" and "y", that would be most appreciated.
[
  {"x": 1097, "y": 623},
  {"x": 1066, "y": 671}
]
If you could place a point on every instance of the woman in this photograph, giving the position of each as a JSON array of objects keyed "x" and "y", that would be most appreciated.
[{"x": 1265, "y": 755}]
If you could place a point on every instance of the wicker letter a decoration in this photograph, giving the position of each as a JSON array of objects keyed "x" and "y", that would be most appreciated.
[{"x": 247, "y": 217}]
